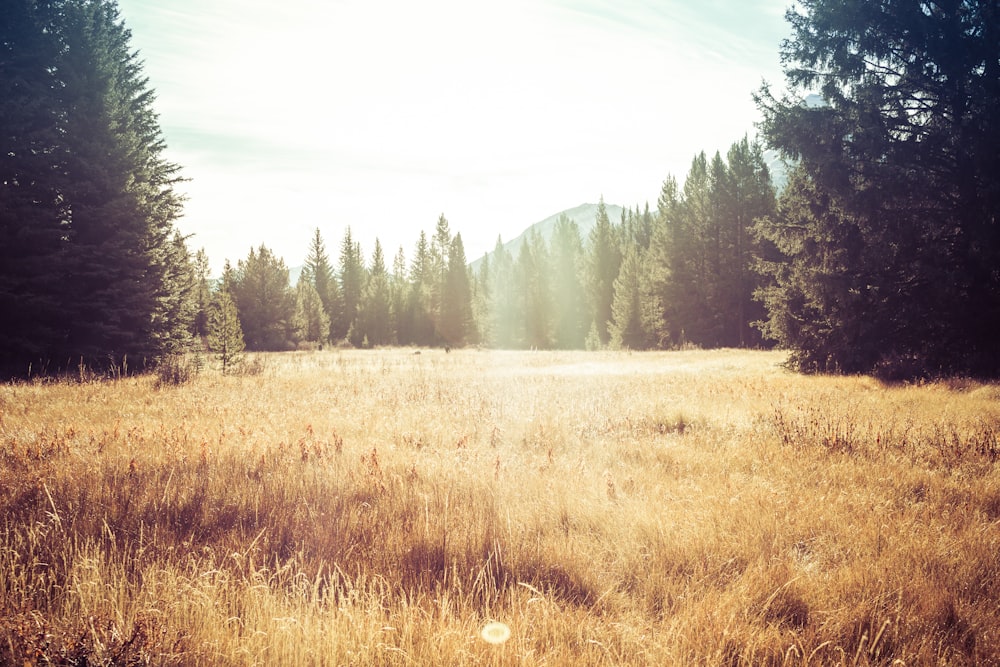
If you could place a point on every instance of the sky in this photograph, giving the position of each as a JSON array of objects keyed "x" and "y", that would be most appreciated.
[{"x": 382, "y": 115}]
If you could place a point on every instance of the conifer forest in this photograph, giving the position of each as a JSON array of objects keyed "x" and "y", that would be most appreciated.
[
  {"x": 877, "y": 254},
  {"x": 754, "y": 421}
]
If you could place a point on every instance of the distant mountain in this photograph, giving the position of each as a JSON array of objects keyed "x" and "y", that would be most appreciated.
[
  {"x": 778, "y": 169},
  {"x": 813, "y": 100},
  {"x": 584, "y": 215}
]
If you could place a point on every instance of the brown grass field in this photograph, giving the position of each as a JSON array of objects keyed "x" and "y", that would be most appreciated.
[{"x": 381, "y": 507}]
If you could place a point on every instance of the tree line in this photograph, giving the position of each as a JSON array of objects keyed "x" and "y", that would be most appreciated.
[
  {"x": 879, "y": 256},
  {"x": 353, "y": 301},
  {"x": 682, "y": 274}
]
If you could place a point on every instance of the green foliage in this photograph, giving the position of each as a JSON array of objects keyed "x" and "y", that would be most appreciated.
[
  {"x": 397, "y": 297},
  {"x": 628, "y": 325},
  {"x": 265, "y": 301},
  {"x": 320, "y": 274},
  {"x": 902, "y": 159},
  {"x": 532, "y": 271},
  {"x": 815, "y": 307},
  {"x": 225, "y": 335},
  {"x": 482, "y": 301},
  {"x": 83, "y": 187},
  {"x": 420, "y": 329},
  {"x": 352, "y": 285},
  {"x": 438, "y": 274},
  {"x": 201, "y": 273},
  {"x": 504, "y": 312},
  {"x": 570, "y": 318},
  {"x": 603, "y": 261},
  {"x": 457, "y": 324},
  {"x": 377, "y": 306},
  {"x": 177, "y": 306},
  {"x": 311, "y": 323},
  {"x": 702, "y": 251}
]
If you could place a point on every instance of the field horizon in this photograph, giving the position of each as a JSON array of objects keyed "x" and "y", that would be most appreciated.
[{"x": 381, "y": 507}]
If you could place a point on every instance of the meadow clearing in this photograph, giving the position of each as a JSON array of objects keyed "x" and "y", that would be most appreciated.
[{"x": 381, "y": 507}]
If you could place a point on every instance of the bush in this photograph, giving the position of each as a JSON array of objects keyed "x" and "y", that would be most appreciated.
[{"x": 177, "y": 369}]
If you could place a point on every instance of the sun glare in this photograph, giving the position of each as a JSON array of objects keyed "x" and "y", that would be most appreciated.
[{"x": 495, "y": 633}]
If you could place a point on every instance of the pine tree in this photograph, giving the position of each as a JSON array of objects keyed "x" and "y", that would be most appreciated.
[
  {"x": 419, "y": 303},
  {"x": 702, "y": 255},
  {"x": 438, "y": 267},
  {"x": 752, "y": 197},
  {"x": 570, "y": 319},
  {"x": 177, "y": 305},
  {"x": 813, "y": 307},
  {"x": 265, "y": 301},
  {"x": 225, "y": 336},
  {"x": 665, "y": 266},
  {"x": 311, "y": 324},
  {"x": 201, "y": 273},
  {"x": 87, "y": 205},
  {"x": 532, "y": 272},
  {"x": 506, "y": 316},
  {"x": 33, "y": 218},
  {"x": 902, "y": 158},
  {"x": 122, "y": 205},
  {"x": 627, "y": 329},
  {"x": 377, "y": 302},
  {"x": 397, "y": 299},
  {"x": 352, "y": 282},
  {"x": 319, "y": 272},
  {"x": 482, "y": 303},
  {"x": 457, "y": 324},
  {"x": 603, "y": 261}
]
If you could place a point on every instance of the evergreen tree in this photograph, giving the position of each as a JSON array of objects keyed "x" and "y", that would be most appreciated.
[
  {"x": 33, "y": 216},
  {"x": 752, "y": 197},
  {"x": 310, "y": 323},
  {"x": 319, "y": 272},
  {"x": 87, "y": 205},
  {"x": 202, "y": 292},
  {"x": 265, "y": 301},
  {"x": 421, "y": 286},
  {"x": 225, "y": 336},
  {"x": 702, "y": 250},
  {"x": 570, "y": 319},
  {"x": 482, "y": 303},
  {"x": 122, "y": 205},
  {"x": 457, "y": 324},
  {"x": 903, "y": 159},
  {"x": 814, "y": 308},
  {"x": 507, "y": 318},
  {"x": 377, "y": 302},
  {"x": 603, "y": 261},
  {"x": 627, "y": 323},
  {"x": 352, "y": 283},
  {"x": 177, "y": 306},
  {"x": 438, "y": 278},
  {"x": 533, "y": 285},
  {"x": 397, "y": 299},
  {"x": 667, "y": 266},
  {"x": 691, "y": 261},
  {"x": 720, "y": 300}
]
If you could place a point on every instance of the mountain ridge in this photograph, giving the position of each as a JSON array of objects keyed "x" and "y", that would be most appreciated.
[{"x": 584, "y": 215}]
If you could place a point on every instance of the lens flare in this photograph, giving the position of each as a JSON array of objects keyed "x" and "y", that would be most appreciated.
[{"x": 495, "y": 633}]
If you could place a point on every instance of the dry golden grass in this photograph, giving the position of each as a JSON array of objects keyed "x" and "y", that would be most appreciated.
[{"x": 380, "y": 508}]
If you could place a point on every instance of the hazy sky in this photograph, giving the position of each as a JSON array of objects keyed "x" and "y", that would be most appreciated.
[{"x": 384, "y": 114}]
